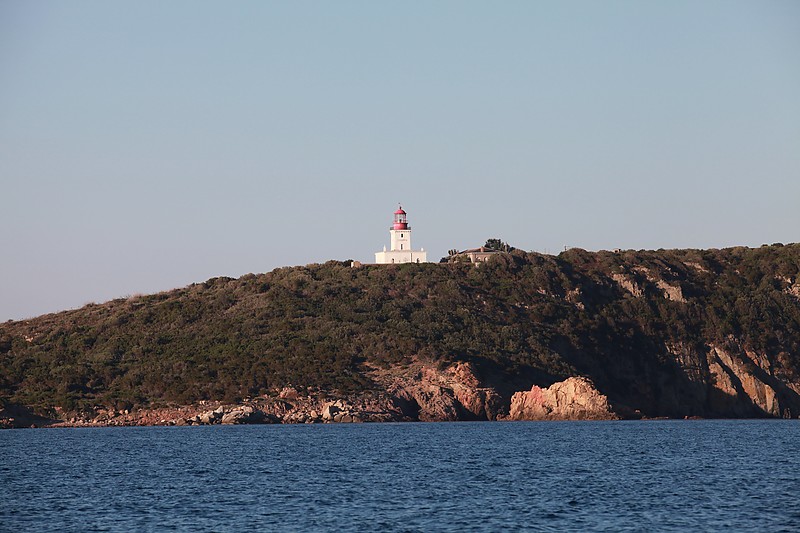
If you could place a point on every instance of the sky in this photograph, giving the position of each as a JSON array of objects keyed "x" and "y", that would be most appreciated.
[{"x": 148, "y": 145}]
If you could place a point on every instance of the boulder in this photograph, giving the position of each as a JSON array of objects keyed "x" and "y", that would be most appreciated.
[
  {"x": 575, "y": 398},
  {"x": 244, "y": 415},
  {"x": 209, "y": 417},
  {"x": 330, "y": 410},
  {"x": 288, "y": 393}
]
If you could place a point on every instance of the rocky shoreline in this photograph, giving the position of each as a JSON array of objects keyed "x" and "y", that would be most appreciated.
[
  {"x": 418, "y": 392},
  {"x": 288, "y": 408}
]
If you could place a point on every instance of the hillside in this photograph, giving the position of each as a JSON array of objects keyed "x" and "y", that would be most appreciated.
[{"x": 675, "y": 333}]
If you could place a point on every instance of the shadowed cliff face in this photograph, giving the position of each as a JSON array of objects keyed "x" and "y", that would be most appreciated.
[{"x": 711, "y": 333}]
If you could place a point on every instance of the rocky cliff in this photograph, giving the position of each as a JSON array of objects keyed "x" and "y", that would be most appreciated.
[{"x": 668, "y": 333}]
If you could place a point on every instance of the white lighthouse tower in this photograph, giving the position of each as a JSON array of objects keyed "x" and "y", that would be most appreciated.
[{"x": 400, "y": 241}]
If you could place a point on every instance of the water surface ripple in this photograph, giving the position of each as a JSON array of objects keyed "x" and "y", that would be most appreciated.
[{"x": 484, "y": 476}]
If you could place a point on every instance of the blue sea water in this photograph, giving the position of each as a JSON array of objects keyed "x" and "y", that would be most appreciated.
[{"x": 693, "y": 475}]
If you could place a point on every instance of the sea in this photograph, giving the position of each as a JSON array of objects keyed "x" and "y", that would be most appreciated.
[{"x": 660, "y": 475}]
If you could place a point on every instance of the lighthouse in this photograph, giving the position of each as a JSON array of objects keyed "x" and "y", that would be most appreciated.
[{"x": 400, "y": 243}]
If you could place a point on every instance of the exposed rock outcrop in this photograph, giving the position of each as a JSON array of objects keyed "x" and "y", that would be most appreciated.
[
  {"x": 210, "y": 417},
  {"x": 736, "y": 379},
  {"x": 794, "y": 290},
  {"x": 628, "y": 284},
  {"x": 244, "y": 415},
  {"x": 572, "y": 399},
  {"x": 671, "y": 292},
  {"x": 431, "y": 394},
  {"x": 341, "y": 412}
]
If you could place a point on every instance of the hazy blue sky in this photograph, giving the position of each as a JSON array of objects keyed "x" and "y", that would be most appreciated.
[{"x": 148, "y": 145}]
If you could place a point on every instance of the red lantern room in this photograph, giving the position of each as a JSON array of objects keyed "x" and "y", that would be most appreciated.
[{"x": 400, "y": 221}]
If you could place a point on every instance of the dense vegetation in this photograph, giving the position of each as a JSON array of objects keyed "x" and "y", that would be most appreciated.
[{"x": 521, "y": 318}]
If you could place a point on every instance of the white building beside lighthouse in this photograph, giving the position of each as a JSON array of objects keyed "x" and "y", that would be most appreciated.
[{"x": 400, "y": 242}]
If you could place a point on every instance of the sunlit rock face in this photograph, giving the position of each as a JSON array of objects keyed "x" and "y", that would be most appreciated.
[{"x": 572, "y": 399}]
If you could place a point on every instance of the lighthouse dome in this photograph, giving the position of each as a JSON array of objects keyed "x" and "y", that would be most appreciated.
[{"x": 400, "y": 220}]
